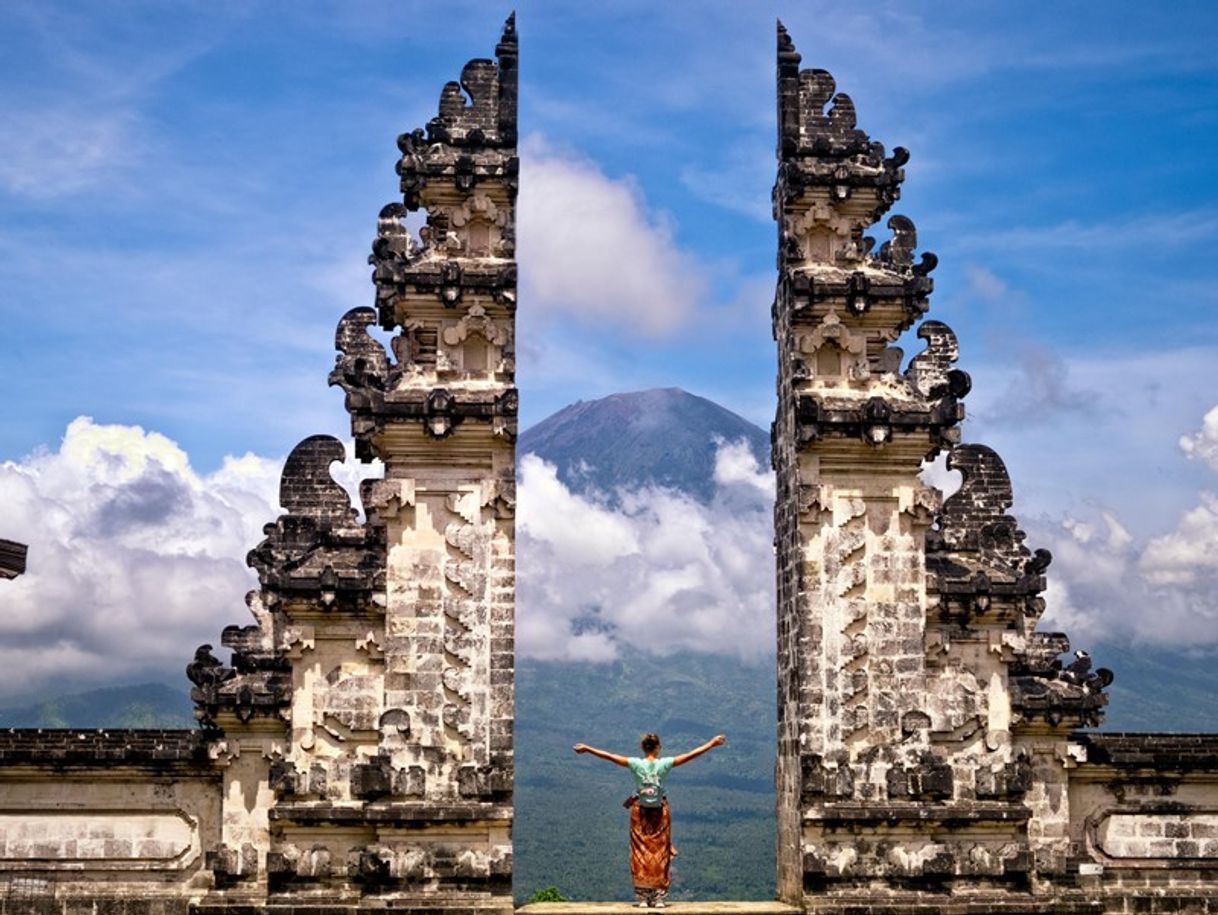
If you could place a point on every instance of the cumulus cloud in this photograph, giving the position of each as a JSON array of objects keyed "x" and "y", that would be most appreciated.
[
  {"x": 134, "y": 557},
  {"x": 592, "y": 248},
  {"x": 1105, "y": 586},
  {"x": 1041, "y": 391},
  {"x": 1107, "y": 583},
  {"x": 1187, "y": 556},
  {"x": 1203, "y": 444},
  {"x": 656, "y": 571}
]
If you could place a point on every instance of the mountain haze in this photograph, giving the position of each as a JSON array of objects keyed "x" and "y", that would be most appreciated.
[{"x": 662, "y": 437}]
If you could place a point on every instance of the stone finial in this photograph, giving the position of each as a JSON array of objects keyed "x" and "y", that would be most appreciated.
[
  {"x": 930, "y": 371},
  {"x": 318, "y": 546},
  {"x": 306, "y": 487},
  {"x": 480, "y": 108},
  {"x": 976, "y": 555},
  {"x": 361, "y": 362},
  {"x": 974, "y": 518},
  {"x": 206, "y": 669},
  {"x": 813, "y": 117}
]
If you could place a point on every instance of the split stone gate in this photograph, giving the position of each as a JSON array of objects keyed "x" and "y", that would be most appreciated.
[{"x": 355, "y": 752}]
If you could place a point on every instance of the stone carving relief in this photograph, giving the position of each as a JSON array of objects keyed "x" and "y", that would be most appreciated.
[{"x": 835, "y": 354}]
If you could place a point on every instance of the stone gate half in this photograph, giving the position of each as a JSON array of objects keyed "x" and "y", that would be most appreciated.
[
  {"x": 356, "y": 751},
  {"x": 928, "y": 752}
]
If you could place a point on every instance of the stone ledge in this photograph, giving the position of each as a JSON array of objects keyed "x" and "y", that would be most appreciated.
[
  {"x": 412, "y": 813},
  {"x": 963, "y": 903},
  {"x": 1160, "y": 752},
  {"x": 893, "y": 813},
  {"x": 53, "y": 748},
  {"x": 415, "y": 907}
]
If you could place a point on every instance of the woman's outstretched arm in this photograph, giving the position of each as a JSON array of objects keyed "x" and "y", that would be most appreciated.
[
  {"x": 693, "y": 754},
  {"x": 603, "y": 754}
]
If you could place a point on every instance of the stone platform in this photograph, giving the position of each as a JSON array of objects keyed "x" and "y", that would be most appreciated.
[{"x": 677, "y": 908}]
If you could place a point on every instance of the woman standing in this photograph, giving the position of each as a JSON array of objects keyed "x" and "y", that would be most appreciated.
[{"x": 651, "y": 850}]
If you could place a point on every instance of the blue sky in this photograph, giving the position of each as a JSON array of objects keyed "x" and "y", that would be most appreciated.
[{"x": 188, "y": 193}]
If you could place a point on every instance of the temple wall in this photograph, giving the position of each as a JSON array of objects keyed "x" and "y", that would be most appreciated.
[
  {"x": 1143, "y": 820},
  {"x": 90, "y": 817}
]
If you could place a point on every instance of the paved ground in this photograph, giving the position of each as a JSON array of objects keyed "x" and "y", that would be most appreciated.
[{"x": 676, "y": 908}]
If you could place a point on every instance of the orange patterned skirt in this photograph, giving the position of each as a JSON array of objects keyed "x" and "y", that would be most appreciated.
[{"x": 650, "y": 846}]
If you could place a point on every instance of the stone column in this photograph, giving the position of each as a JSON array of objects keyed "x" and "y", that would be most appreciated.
[
  {"x": 909, "y": 738},
  {"x": 442, "y": 417}
]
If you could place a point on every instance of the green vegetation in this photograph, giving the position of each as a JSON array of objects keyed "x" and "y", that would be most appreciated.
[
  {"x": 571, "y": 828},
  {"x": 549, "y": 894},
  {"x": 147, "y": 705}
]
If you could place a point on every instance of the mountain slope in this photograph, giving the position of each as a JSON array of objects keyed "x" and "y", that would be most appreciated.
[
  {"x": 664, "y": 437},
  {"x": 145, "y": 705},
  {"x": 571, "y": 828}
]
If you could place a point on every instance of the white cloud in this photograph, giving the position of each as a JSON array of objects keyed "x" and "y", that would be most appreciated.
[
  {"x": 1187, "y": 556},
  {"x": 1106, "y": 584},
  {"x": 134, "y": 558},
  {"x": 580, "y": 532},
  {"x": 935, "y": 473},
  {"x": 591, "y": 248},
  {"x": 56, "y": 151},
  {"x": 734, "y": 463},
  {"x": 1203, "y": 444},
  {"x": 658, "y": 574}
]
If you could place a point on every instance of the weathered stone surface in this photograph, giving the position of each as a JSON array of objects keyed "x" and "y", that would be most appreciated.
[{"x": 104, "y": 748}]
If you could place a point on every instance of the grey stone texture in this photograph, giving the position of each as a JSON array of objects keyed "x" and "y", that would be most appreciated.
[{"x": 355, "y": 752}]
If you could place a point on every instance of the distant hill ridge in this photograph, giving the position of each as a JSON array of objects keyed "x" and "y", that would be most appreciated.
[
  {"x": 661, "y": 437},
  {"x": 144, "y": 705}
]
